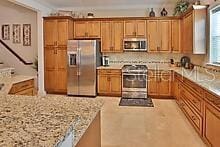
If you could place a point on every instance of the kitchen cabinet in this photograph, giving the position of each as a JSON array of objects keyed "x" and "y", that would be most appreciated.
[
  {"x": 159, "y": 83},
  {"x": 211, "y": 131},
  {"x": 87, "y": 29},
  {"x": 135, "y": 29},
  {"x": 112, "y": 36},
  {"x": 176, "y": 36},
  {"x": 109, "y": 82},
  {"x": 194, "y": 30},
  {"x": 56, "y": 34},
  {"x": 159, "y": 35},
  {"x": 23, "y": 88}
]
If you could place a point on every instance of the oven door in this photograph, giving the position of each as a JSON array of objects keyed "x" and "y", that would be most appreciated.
[{"x": 134, "y": 82}]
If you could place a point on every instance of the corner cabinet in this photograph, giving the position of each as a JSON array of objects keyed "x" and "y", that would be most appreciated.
[
  {"x": 87, "y": 29},
  {"x": 56, "y": 33},
  {"x": 109, "y": 82},
  {"x": 112, "y": 36},
  {"x": 135, "y": 29}
]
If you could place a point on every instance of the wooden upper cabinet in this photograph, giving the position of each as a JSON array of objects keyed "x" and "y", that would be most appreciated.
[
  {"x": 112, "y": 36},
  {"x": 187, "y": 42},
  {"x": 94, "y": 29},
  {"x": 57, "y": 32},
  {"x": 50, "y": 32},
  {"x": 152, "y": 35},
  {"x": 141, "y": 28},
  {"x": 117, "y": 35},
  {"x": 87, "y": 29},
  {"x": 165, "y": 35},
  {"x": 80, "y": 29},
  {"x": 159, "y": 35},
  {"x": 62, "y": 29},
  {"x": 106, "y": 36},
  {"x": 176, "y": 36},
  {"x": 135, "y": 28}
]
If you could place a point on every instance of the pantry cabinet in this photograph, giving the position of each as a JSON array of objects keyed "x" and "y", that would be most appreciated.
[
  {"x": 56, "y": 33},
  {"x": 159, "y": 83},
  {"x": 159, "y": 35},
  {"x": 112, "y": 36},
  {"x": 87, "y": 29},
  {"x": 109, "y": 82},
  {"x": 135, "y": 29}
]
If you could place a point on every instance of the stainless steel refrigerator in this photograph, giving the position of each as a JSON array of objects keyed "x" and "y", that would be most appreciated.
[{"x": 83, "y": 58}]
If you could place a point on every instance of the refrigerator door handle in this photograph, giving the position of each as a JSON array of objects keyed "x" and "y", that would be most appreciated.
[{"x": 78, "y": 61}]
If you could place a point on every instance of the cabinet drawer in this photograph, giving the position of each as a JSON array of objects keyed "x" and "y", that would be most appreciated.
[
  {"x": 195, "y": 88},
  {"x": 109, "y": 71},
  {"x": 194, "y": 118},
  {"x": 22, "y": 86},
  {"x": 28, "y": 92},
  {"x": 178, "y": 77},
  {"x": 193, "y": 99},
  {"x": 213, "y": 99}
]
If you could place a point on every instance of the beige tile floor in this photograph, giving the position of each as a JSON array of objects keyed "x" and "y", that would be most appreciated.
[{"x": 162, "y": 126}]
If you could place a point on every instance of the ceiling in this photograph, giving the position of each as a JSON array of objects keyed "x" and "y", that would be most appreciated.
[{"x": 106, "y": 3}]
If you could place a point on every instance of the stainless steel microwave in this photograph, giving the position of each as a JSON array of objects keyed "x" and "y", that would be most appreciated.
[{"x": 135, "y": 44}]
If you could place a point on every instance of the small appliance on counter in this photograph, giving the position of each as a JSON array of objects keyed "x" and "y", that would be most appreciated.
[
  {"x": 185, "y": 62},
  {"x": 105, "y": 60}
]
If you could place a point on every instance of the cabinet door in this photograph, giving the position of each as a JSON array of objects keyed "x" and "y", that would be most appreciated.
[
  {"x": 152, "y": 85},
  {"x": 117, "y": 35},
  {"x": 50, "y": 80},
  {"x": 103, "y": 84},
  {"x": 106, "y": 36},
  {"x": 164, "y": 27},
  {"x": 50, "y": 58},
  {"x": 176, "y": 36},
  {"x": 62, "y": 32},
  {"x": 153, "y": 36},
  {"x": 61, "y": 58},
  {"x": 212, "y": 126},
  {"x": 80, "y": 29},
  {"x": 61, "y": 81},
  {"x": 115, "y": 84},
  {"x": 50, "y": 32},
  {"x": 164, "y": 85},
  {"x": 141, "y": 28},
  {"x": 94, "y": 29},
  {"x": 188, "y": 34},
  {"x": 130, "y": 26}
]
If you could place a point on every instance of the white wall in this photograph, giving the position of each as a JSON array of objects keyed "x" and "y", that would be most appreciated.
[{"x": 11, "y": 13}]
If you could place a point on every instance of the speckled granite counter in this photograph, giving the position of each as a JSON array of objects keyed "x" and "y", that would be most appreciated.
[
  {"x": 9, "y": 81},
  {"x": 43, "y": 122}
]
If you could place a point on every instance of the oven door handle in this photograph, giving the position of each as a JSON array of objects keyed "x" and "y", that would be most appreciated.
[{"x": 134, "y": 74}]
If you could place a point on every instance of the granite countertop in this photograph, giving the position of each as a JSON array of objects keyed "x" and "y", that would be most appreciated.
[
  {"x": 9, "y": 81},
  {"x": 207, "y": 80},
  {"x": 44, "y": 121}
]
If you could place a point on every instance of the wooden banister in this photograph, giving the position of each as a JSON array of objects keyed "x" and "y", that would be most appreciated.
[{"x": 15, "y": 54}]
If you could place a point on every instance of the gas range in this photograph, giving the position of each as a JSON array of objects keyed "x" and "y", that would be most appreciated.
[
  {"x": 134, "y": 81},
  {"x": 134, "y": 68}
]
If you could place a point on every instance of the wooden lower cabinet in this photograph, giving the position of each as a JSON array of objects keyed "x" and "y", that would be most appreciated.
[
  {"x": 23, "y": 88},
  {"x": 159, "y": 84},
  {"x": 109, "y": 82},
  {"x": 211, "y": 127},
  {"x": 92, "y": 136}
]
